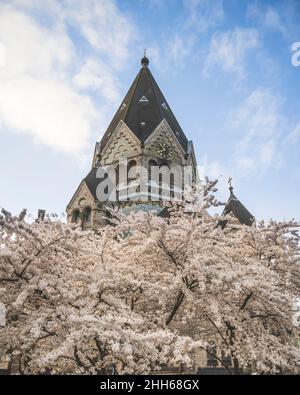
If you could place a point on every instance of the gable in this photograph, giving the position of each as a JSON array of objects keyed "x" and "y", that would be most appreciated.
[
  {"x": 122, "y": 144},
  {"x": 164, "y": 134},
  {"x": 82, "y": 192}
]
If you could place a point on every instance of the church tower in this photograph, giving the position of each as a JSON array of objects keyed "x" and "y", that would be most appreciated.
[{"x": 144, "y": 133}]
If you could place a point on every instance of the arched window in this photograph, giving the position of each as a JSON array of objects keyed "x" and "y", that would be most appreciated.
[
  {"x": 172, "y": 182},
  {"x": 151, "y": 180},
  {"x": 164, "y": 181},
  {"x": 131, "y": 172},
  {"x": 117, "y": 182},
  {"x": 75, "y": 217},
  {"x": 87, "y": 216},
  {"x": 131, "y": 176},
  {"x": 160, "y": 186}
]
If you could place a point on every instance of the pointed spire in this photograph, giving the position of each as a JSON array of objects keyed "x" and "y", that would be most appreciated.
[
  {"x": 144, "y": 108},
  {"x": 145, "y": 60}
]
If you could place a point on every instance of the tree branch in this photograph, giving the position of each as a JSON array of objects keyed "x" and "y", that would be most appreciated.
[
  {"x": 177, "y": 304},
  {"x": 248, "y": 297}
]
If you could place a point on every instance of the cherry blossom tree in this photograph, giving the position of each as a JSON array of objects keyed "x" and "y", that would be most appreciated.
[{"x": 147, "y": 291}]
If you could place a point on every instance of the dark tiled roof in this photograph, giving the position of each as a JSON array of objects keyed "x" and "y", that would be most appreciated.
[
  {"x": 164, "y": 213},
  {"x": 143, "y": 109},
  {"x": 235, "y": 207},
  {"x": 92, "y": 182}
]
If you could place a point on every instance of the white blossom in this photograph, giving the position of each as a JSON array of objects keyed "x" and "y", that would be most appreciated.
[{"x": 148, "y": 292}]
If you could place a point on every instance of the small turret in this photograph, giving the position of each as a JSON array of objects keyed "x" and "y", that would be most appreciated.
[{"x": 237, "y": 209}]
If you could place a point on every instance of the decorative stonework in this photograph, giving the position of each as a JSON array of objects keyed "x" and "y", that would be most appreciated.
[{"x": 122, "y": 144}]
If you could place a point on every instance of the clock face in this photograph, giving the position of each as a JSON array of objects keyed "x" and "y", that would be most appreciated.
[{"x": 164, "y": 150}]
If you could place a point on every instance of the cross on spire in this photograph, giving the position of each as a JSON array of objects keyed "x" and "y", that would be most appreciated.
[{"x": 230, "y": 184}]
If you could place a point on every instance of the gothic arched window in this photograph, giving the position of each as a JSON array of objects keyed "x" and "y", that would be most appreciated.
[
  {"x": 117, "y": 181},
  {"x": 172, "y": 182},
  {"x": 87, "y": 216},
  {"x": 160, "y": 186},
  {"x": 75, "y": 216},
  {"x": 164, "y": 181},
  {"x": 131, "y": 176},
  {"x": 151, "y": 180},
  {"x": 131, "y": 173}
]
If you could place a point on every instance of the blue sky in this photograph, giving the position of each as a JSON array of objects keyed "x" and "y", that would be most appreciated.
[{"x": 224, "y": 66}]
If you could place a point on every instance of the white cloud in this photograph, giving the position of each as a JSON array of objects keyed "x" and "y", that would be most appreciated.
[
  {"x": 177, "y": 48},
  {"x": 31, "y": 48},
  {"x": 260, "y": 127},
  {"x": 96, "y": 76},
  {"x": 204, "y": 14},
  {"x": 48, "y": 111},
  {"x": 228, "y": 50},
  {"x": 172, "y": 54},
  {"x": 160, "y": 5},
  {"x": 272, "y": 19},
  {"x": 294, "y": 136},
  {"x": 267, "y": 17},
  {"x": 3, "y": 55},
  {"x": 55, "y": 88},
  {"x": 215, "y": 170},
  {"x": 105, "y": 28}
]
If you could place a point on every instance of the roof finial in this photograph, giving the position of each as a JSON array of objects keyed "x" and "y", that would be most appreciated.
[
  {"x": 230, "y": 185},
  {"x": 145, "y": 60}
]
